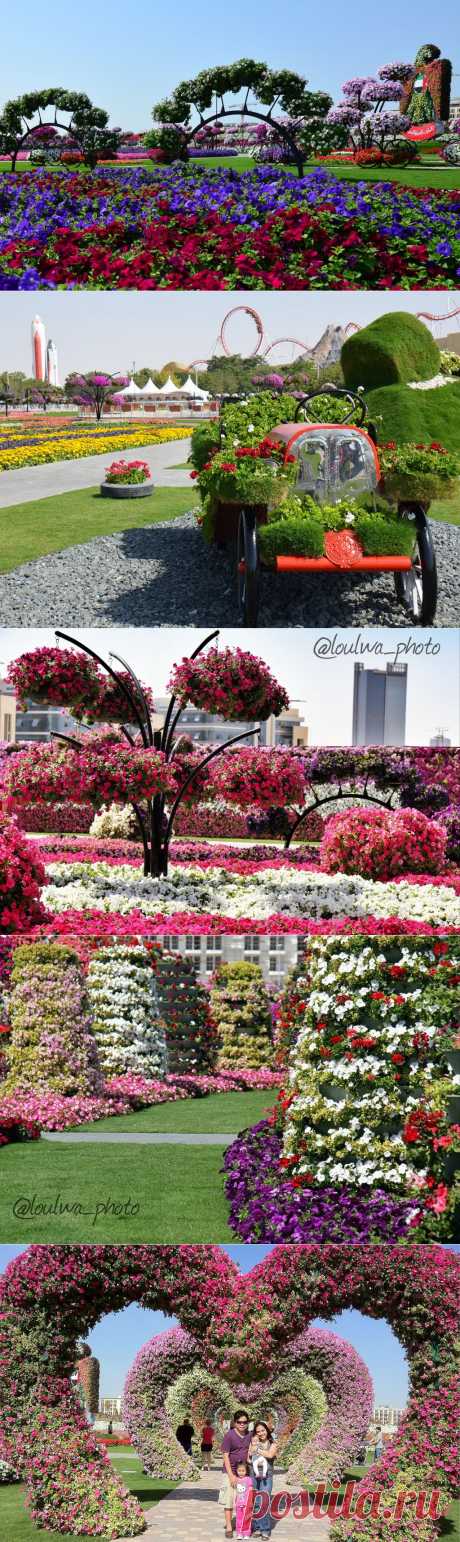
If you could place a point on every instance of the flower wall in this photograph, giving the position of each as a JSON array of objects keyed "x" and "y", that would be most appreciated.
[
  {"x": 367, "y": 1101},
  {"x": 241, "y": 1011},
  {"x": 49, "y": 1295},
  {"x": 21, "y": 877},
  {"x": 51, "y": 1046},
  {"x": 125, "y": 1013}
]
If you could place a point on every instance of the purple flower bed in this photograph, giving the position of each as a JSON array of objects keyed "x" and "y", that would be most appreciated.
[{"x": 264, "y": 1208}]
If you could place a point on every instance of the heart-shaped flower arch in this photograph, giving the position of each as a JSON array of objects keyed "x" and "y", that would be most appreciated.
[
  {"x": 324, "y": 1393},
  {"x": 51, "y": 1296}
]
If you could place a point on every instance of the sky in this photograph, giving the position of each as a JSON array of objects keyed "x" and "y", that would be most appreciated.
[
  {"x": 127, "y": 70},
  {"x": 321, "y": 686},
  {"x": 101, "y": 330},
  {"x": 117, "y": 1338}
]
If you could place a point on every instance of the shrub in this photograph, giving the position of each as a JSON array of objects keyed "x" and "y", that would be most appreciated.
[
  {"x": 395, "y": 348},
  {"x": 51, "y": 1042},
  {"x": 382, "y": 843},
  {"x": 21, "y": 876},
  {"x": 241, "y": 1008}
]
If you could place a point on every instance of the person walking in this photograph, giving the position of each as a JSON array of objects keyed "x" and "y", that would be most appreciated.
[{"x": 207, "y": 1442}]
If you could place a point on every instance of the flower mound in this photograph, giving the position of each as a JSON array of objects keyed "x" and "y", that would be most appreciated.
[
  {"x": 22, "y": 875},
  {"x": 51, "y": 1296},
  {"x": 382, "y": 843},
  {"x": 228, "y": 681}
]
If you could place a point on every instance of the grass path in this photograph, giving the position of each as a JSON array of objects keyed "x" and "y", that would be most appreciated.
[
  {"x": 224, "y": 1111},
  {"x": 35, "y": 529}
]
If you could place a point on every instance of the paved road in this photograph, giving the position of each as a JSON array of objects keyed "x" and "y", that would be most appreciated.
[
  {"x": 66, "y": 476},
  {"x": 141, "y": 1139},
  {"x": 191, "y": 1514}
]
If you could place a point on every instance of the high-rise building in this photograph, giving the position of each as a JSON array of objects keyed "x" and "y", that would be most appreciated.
[
  {"x": 39, "y": 363},
  {"x": 441, "y": 740},
  {"x": 7, "y": 713},
  {"x": 52, "y": 368},
  {"x": 39, "y": 722},
  {"x": 206, "y": 728},
  {"x": 379, "y": 705}
]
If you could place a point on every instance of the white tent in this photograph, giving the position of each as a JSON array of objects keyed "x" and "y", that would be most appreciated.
[
  {"x": 194, "y": 390},
  {"x": 150, "y": 389},
  {"x": 169, "y": 389},
  {"x": 130, "y": 390}
]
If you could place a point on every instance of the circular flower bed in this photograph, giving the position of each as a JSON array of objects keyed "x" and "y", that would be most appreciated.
[
  {"x": 22, "y": 875},
  {"x": 131, "y": 472},
  {"x": 50, "y": 1296},
  {"x": 230, "y": 682},
  {"x": 382, "y": 843}
]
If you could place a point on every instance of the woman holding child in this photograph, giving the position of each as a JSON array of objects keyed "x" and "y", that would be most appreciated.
[{"x": 248, "y": 1462}]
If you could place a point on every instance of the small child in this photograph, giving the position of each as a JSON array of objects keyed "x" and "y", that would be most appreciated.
[{"x": 242, "y": 1491}]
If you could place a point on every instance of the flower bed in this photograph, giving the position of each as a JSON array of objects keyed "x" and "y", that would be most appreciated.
[
  {"x": 123, "y": 473},
  {"x": 51, "y": 1043},
  {"x": 258, "y": 896},
  {"x": 383, "y": 843},
  {"x": 217, "y": 229},
  {"x": 422, "y": 472},
  {"x": 21, "y": 876},
  {"x": 44, "y": 1110},
  {"x": 47, "y": 442}
]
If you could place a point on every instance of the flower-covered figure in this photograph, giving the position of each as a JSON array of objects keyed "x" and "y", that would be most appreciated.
[{"x": 426, "y": 94}]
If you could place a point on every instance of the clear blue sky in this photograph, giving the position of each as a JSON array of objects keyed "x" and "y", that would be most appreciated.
[
  {"x": 111, "y": 331},
  {"x": 126, "y": 60},
  {"x": 117, "y": 1338},
  {"x": 321, "y": 688}
]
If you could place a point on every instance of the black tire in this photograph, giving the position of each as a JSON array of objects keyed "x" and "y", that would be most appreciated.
[
  {"x": 417, "y": 591},
  {"x": 248, "y": 580}
]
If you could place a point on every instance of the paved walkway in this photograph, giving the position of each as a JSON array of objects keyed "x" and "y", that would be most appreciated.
[
  {"x": 67, "y": 476},
  {"x": 191, "y": 1514},
  {"x": 79, "y": 1137}
]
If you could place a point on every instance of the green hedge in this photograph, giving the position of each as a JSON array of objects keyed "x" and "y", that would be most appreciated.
[
  {"x": 393, "y": 350},
  {"x": 417, "y": 417}
]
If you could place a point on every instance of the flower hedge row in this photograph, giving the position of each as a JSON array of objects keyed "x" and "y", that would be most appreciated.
[
  {"x": 381, "y": 843},
  {"x": 49, "y": 1296}
]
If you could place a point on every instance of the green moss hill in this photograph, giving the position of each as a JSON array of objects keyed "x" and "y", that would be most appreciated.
[
  {"x": 416, "y": 417},
  {"x": 391, "y": 351}
]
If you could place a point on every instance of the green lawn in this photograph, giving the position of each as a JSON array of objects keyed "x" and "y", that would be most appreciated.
[
  {"x": 411, "y": 176},
  {"x": 15, "y": 1522},
  {"x": 448, "y": 513},
  {"x": 29, "y": 530},
  {"x": 221, "y": 1112},
  {"x": 178, "y": 1189}
]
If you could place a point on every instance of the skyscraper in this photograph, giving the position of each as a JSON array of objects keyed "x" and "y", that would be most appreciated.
[
  {"x": 52, "y": 368},
  {"x": 379, "y": 705},
  {"x": 38, "y": 349}
]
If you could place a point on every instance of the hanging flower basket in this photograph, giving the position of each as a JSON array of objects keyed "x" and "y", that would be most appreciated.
[
  {"x": 57, "y": 677},
  {"x": 230, "y": 682}
]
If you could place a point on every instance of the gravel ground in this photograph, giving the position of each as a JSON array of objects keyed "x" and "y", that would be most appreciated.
[{"x": 165, "y": 575}]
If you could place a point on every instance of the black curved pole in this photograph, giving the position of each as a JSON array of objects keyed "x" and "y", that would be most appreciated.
[
  {"x": 141, "y": 691},
  {"x": 333, "y": 798},
  {"x": 85, "y": 648},
  {"x": 219, "y": 750},
  {"x": 168, "y": 727},
  {"x": 262, "y": 117}
]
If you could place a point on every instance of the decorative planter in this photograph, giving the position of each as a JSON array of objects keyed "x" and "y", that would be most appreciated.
[
  {"x": 126, "y": 489},
  {"x": 405, "y": 487},
  {"x": 226, "y": 518}
]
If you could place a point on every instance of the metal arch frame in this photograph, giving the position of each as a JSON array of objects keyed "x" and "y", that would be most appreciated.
[
  {"x": 258, "y": 323},
  {"x": 156, "y": 836},
  {"x": 339, "y": 796},
  {"x": 249, "y": 112},
  {"x": 278, "y": 340}
]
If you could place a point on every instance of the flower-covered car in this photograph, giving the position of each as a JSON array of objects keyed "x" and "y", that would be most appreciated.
[{"x": 314, "y": 496}]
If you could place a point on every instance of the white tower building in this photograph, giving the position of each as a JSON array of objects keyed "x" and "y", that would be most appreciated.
[
  {"x": 39, "y": 360},
  {"x": 52, "y": 369}
]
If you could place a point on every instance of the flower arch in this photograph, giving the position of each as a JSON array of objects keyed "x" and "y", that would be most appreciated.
[
  {"x": 50, "y": 1296},
  {"x": 323, "y": 1399},
  {"x": 265, "y": 91}
]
